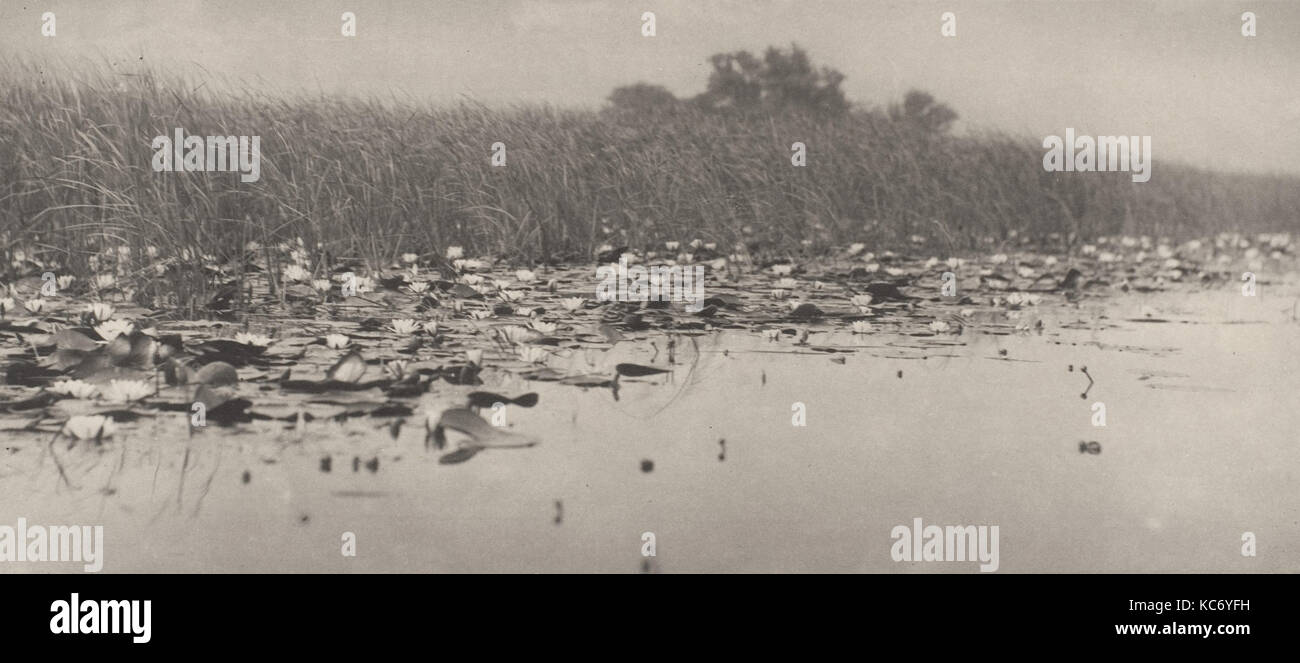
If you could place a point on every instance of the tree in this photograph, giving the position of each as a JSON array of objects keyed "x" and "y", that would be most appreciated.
[
  {"x": 642, "y": 97},
  {"x": 920, "y": 110},
  {"x": 778, "y": 82}
]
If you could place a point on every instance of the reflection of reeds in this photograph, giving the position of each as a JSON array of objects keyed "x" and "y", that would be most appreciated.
[{"x": 372, "y": 181}]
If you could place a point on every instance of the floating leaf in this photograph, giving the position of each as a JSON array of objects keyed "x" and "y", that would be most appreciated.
[
  {"x": 637, "y": 370},
  {"x": 349, "y": 369}
]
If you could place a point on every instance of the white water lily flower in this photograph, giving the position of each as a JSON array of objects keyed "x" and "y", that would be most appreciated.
[
  {"x": 894, "y": 271},
  {"x": 481, "y": 314},
  {"x": 998, "y": 258},
  {"x": 255, "y": 340},
  {"x": 468, "y": 265},
  {"x": 533, "y": 354},
  {"x": 1025, "y": 272},
  {"x": 940, "y": 327},
  {"x": 780, "y": 293},
  {"x": 872, "y": 267},
  {"x": 672, "y": 246},
  {"x": 34, "y": 305},
  {"x": 405, "y": 326},
  {"x": 89, "y": 427},
  {"x": 419, "y": 287},
  {"x": 782, "y": 270},
  {"x": 7, "y": 304},
  {"x": 455, "y": 252},
  {"x": 771, "y": 334},
  {"x": 526, "y": 275},
  {"x": 573, "y": 303},
  {"x": 1049, "y": 261},
  {"x": 695, "y": 243},
  {"x": 365, "y": 284},
  {"x": 101, "y": 311},
  {"x": 511, "y": 295},
  {"x": 472, "y": 279},
  {"x": 431, "y": 327},
  {"x": 485, "y": 289},
  {"x": 474, "y": 357},
  {"x": 126, "y": 391},
  {"x": 336, "y": 341},
  {"x": 787, "y": 284},
  {"x": 861, "y": 301},
  {"x": 295, "y": 273},
  {"x": 74, "y": 388},
  {"x": 321, "y": 285},
  {"x": 856, "y": 248},
  {"x": 861, "y": 327},
  {"x": 111, "y": 329},
  {"x": 409, "y": 258},
  {"x": 105, "y": 281},
  {"x": 65, "y": 281},
  {"x": 543, "y": 327}
]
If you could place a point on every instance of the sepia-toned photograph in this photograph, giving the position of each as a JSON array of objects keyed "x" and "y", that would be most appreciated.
[{"x": 664, "y": 286}]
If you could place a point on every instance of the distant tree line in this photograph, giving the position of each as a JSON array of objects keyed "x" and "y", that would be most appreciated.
[{"x": 781, "y": 81}]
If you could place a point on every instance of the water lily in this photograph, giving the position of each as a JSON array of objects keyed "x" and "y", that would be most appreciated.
[
  {"x": 472, "y": 279},
  {"x": 467, "y": 265},
  {"x": 672, "y": 246},
  {"x": 532, "y": 354},
  {"x": 321, "y": 285},
  {"x": 404, "y": 326},
  {"x": 481, "y": 314},
  {"x": 34, "y": 306},
  {"x": 418, "y": 287},
  {"x": 856, "y": 248},
  {"x": 111, "y": 329},
  {"x": 771, "y": 334},
  {"x": 872, "y": 267},
  {"x": 100, "y": 311},
  {"x": 1025, "y": 272},
  {"x": 780, "y": 293},
  {"x": 573, "y": 303},
  {"x": 474, "y": 357},
  {"x": 255, "y": 340},
  {"x": 89, "y": 427},
  {"x": 7, "y": 304},
  {"x": 861, "y": 301},
  {"x": 409, "y": 258},
  {"x": 65, "y": 281},
  {"x": 74, "y": 388},
  {"x": 861, "y": 327},
  {"x": 782, "y": 270},
  {"x": 431, "y": 327},
  {"x": 511, "y": 295},
  {"x": 455, "y": 252},
  {"x": 103, "y": 281},
  {"x": 544, "y": 327},
  {"x": 894, "y": 271},
  {"x": 125, "y": 391},
  {"x": 787, "y": 284},
  {"x": 296, "y": 273},
  {"x": 336, "y": 341},
  {"x": 998, "y": 258},
  {"x": 940, "y": 327},
  {"x": 526, "y": 275}
]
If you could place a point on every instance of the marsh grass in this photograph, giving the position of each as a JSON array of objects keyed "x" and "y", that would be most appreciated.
[{"x": 365, "y": 180}]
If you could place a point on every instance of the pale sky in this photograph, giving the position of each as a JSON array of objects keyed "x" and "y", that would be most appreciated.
[{"x": 1177, "y": 70}]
